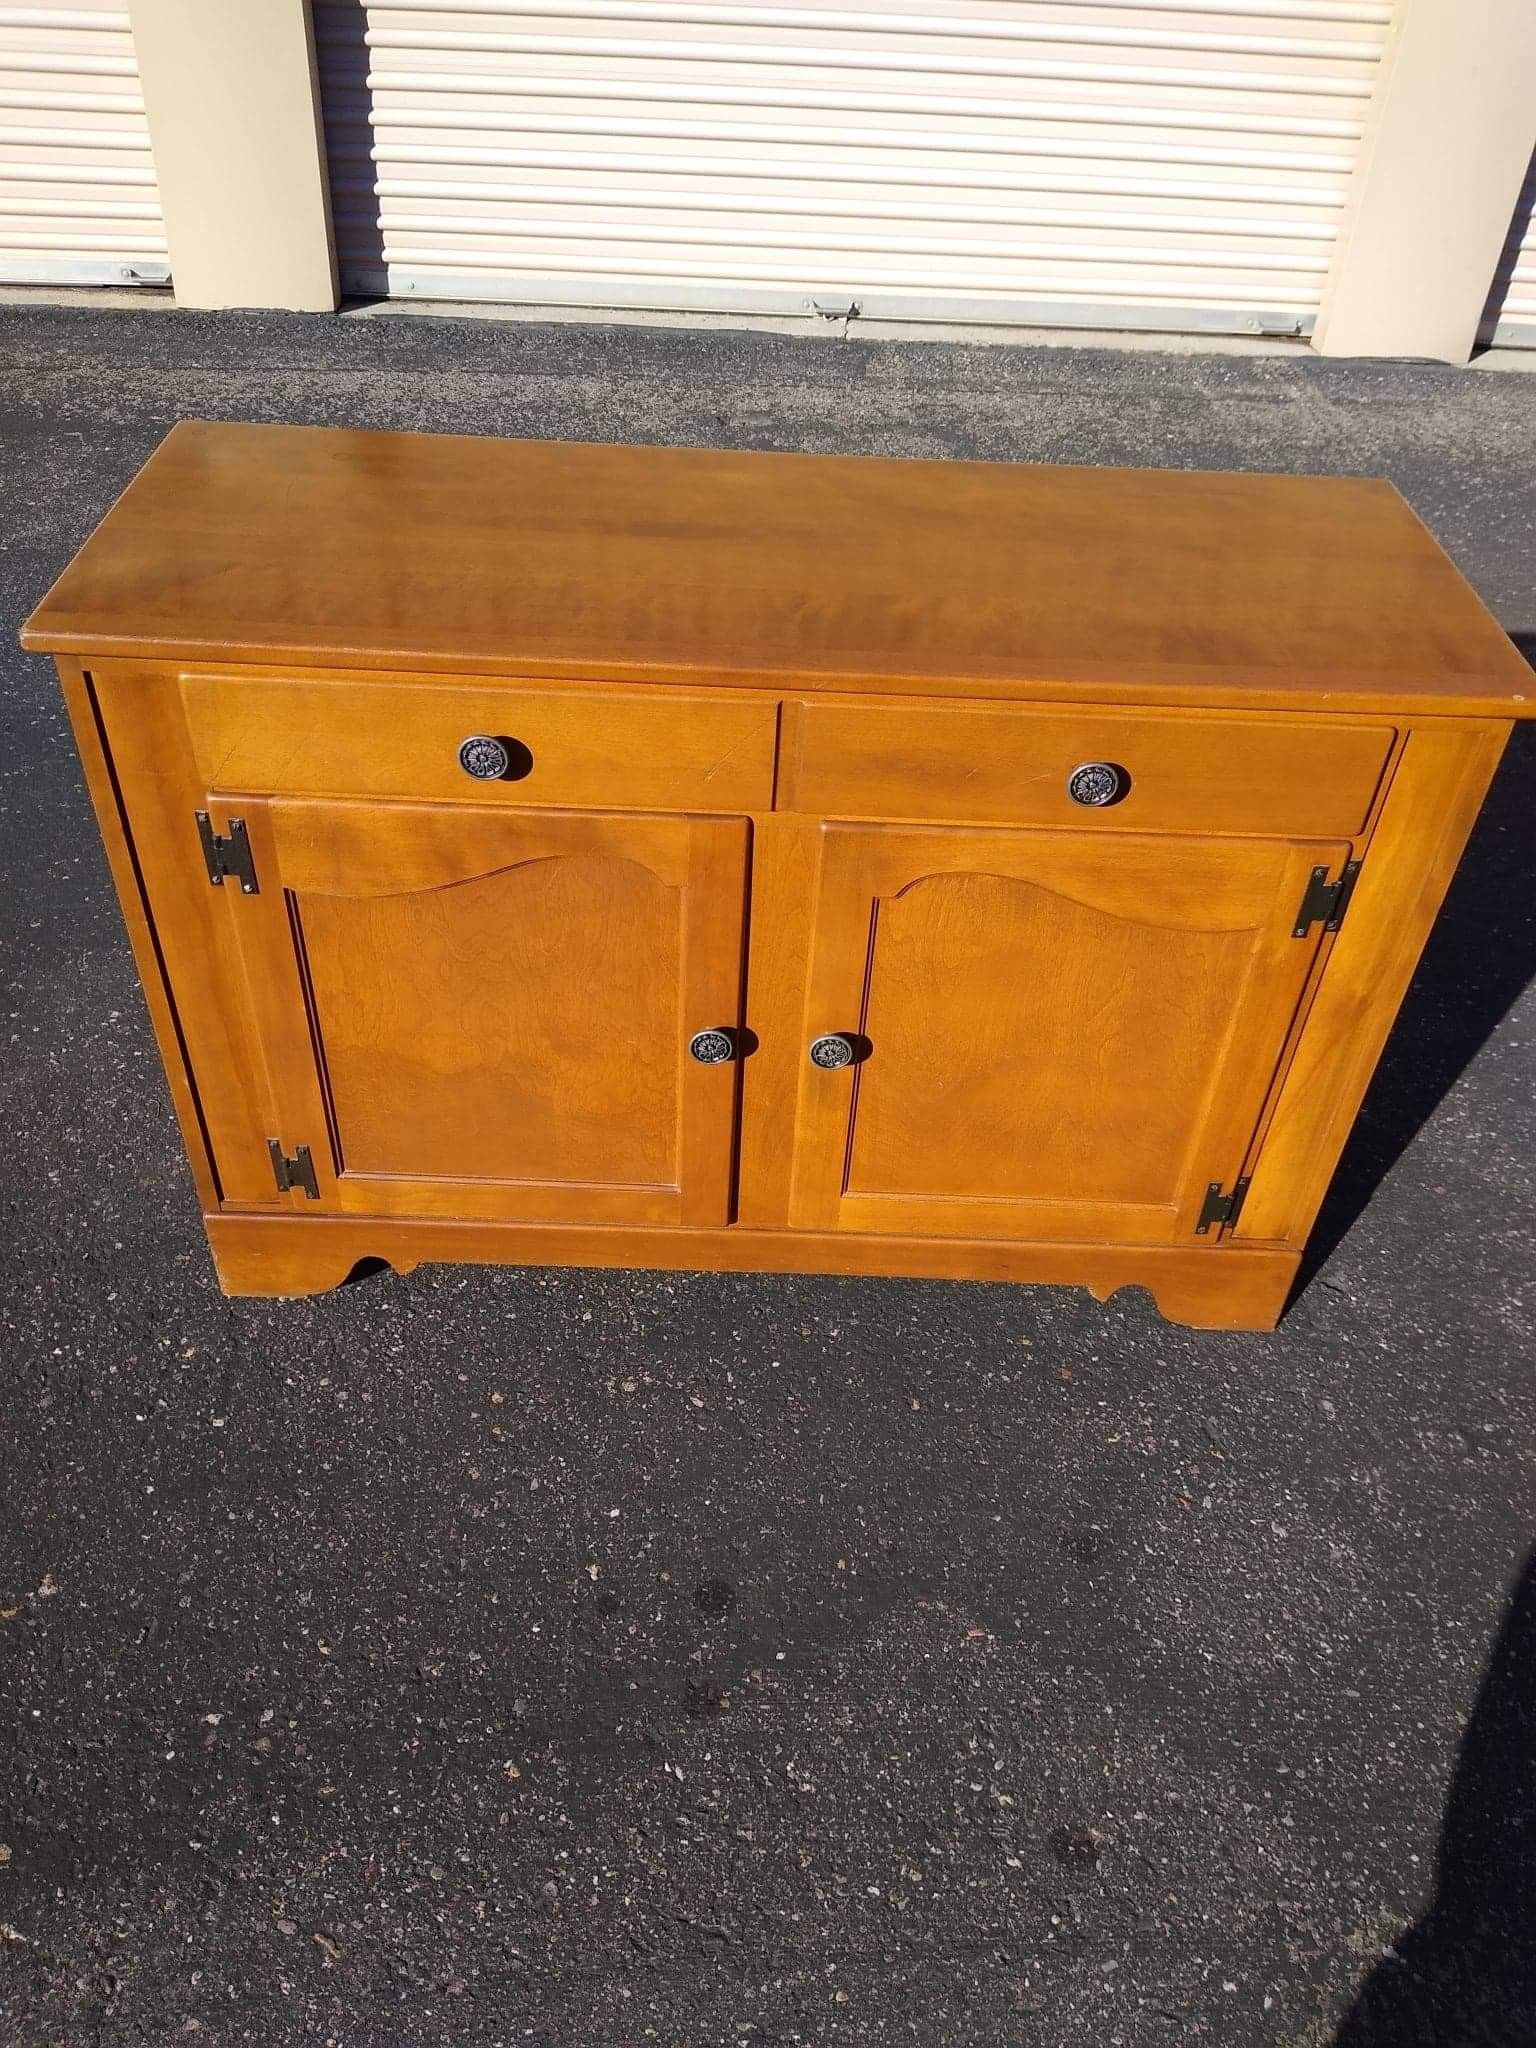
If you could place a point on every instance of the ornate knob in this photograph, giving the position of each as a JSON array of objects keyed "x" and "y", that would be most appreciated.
[
  {"x": 1097, "y": 783},
  {"x": 485, "y": 758},
  {"x": 711, "y": 1048},
  {"x": 832, "y": 1050}
]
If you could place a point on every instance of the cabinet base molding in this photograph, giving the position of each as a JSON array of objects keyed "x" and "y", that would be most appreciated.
[{"x": 1221, "y": 1287}]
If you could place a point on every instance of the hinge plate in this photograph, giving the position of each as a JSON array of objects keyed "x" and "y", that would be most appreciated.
[
  {"x": 1325, "y": 902},
  {"x": 231, "y": 856},
  {"x": 1218, "y": 1208},
  {"x": 297, "y": 1172}
]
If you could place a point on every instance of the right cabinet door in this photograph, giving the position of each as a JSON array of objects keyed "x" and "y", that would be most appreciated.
[{"x": 1054, "y": 1035}]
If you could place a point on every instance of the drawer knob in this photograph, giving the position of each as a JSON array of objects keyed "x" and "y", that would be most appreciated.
[
  {"x": 832, "y": 1050},
  {"x": 1097, "y": 783},
  {"x": 711, "y": 1048},
  {"x": 484, "y": 757}
]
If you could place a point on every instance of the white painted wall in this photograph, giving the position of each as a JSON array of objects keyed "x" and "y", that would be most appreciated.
[
  {"x": 1451, "y": 136},
  {"x": 229, "y": 89}
]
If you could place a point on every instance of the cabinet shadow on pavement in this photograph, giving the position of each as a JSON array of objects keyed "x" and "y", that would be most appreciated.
[
  {"x": 1464, "y": 1976},
  {"x": 1480, "y": 956}
]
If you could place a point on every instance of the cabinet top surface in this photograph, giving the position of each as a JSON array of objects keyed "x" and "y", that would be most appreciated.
[{"x": 340, "y": 548}]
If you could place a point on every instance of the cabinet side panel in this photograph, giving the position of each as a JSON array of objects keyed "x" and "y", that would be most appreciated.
[
  {"x": 1431, "y": 807},
  {"x": 100, "y": 781},
  {"x": 138, "y": 713}
]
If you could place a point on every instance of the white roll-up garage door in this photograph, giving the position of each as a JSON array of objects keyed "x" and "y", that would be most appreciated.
[
  {"x": 78, "y": 200},
  {"x": 1007, "y": 160},
  {"x": 1511, "y": 316}
]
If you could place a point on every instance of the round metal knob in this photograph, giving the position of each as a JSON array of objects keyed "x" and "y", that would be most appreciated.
[
  {"x": 484, "y": 757},
  {"x": 1097, "y": 783},
  {"x": 711, "y": 1048},
  {"x": 832, "y": 1050}
]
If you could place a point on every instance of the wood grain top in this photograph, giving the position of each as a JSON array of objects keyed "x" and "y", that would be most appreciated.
[{"x": 338, "y": 548}]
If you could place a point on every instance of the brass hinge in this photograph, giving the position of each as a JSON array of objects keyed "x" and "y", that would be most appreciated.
[
  {"x": 1325, "y": 902},
  {"x": 1220, "y": 1208},
  {"x": 231, "y": 856},
  {"x": 297, "y": 1172}
]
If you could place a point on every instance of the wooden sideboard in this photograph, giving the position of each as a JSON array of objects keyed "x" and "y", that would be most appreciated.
[{"x": 664, "y": 857}]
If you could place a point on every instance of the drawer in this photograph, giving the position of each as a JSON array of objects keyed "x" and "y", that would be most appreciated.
[
  {"x": 979, "y": 764},
  {"x": 583, "y": 747}
]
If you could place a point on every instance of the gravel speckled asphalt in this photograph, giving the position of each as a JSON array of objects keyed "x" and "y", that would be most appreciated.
[{"x": 590, "y": 1660}]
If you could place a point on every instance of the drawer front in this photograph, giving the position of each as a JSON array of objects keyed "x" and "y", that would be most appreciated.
[
  {"x": 983, "y": 765},
  {"x": 624, "y": 749}
]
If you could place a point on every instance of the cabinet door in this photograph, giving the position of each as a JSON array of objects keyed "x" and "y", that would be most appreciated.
[
  {"x": 1057, "y": 1035},
  {"x": 488, "y": 1016}
]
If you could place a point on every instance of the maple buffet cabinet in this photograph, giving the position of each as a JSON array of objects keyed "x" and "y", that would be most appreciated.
[{"x": 658, "y": 857}]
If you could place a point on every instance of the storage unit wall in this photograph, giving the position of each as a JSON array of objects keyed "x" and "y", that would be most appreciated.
[
  {"x": 1013, "y": 161},
  {"x": 78, "y": 199}
]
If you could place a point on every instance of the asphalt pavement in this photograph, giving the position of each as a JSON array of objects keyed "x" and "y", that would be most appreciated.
[{"x": 597, "y": 1659}]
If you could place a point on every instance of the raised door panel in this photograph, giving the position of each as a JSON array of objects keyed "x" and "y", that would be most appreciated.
[
  {"x": 488, "y": 1016},
  {"x": 1058, "y": 1035}
]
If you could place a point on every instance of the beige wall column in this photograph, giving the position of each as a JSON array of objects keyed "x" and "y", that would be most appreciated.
[
  {"x": 234, "y": 125},
  {"x": 1452, "y": 130}
]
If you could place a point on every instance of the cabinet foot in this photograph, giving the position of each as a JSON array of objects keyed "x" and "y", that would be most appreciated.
[
  {"x": 292, "y": 1263},
  {"x": 1236, "y": 1295}
]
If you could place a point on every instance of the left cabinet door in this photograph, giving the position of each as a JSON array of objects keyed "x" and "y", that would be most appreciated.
[{"x": 462, "y": 1014}]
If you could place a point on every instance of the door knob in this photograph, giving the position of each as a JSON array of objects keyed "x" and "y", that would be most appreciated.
[
  {"x": 484, "y": 757},
  {"x": 1097, "y": 783},
  {"x": 832, "y": 1050},
  {"x": 711, "y": 1048}
]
